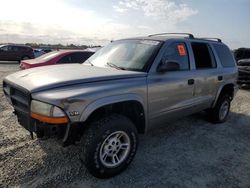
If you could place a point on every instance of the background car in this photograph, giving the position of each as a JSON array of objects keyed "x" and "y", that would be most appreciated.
[
  {"x": 12, "y": 52},
  {"x": 38, "y": 52},
  {"x": 57, "y": 57},
  {"x": 244, "y": 71},
  {"x": 242, "y": 53}
]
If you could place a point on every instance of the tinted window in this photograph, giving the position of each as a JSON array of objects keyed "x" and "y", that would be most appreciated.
[
  {"x": 15, "y": 48},
  {"x": 65, "y": 59},
  {"x": 5, "y": 48},
  {"x": 80, "y": 57},
  {"x": 177, "y": 52},
  {"x": 224, "y": 55},
  {"x": 203, "y": 56}
]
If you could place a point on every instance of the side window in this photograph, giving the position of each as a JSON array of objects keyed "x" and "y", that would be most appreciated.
[
  {"x": 65, "y": 59},
  {"x": 5, "y": 48},
  {"x": 203, "y": 56},
  {"x": 177, "y": 52},
  {"x": 224, "y": 55},
  {"x": 15, "y": 48},
  {"x": 80, "y": 57}
]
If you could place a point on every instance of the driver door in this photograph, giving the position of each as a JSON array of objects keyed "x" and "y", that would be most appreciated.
[{"x": 170, "y": 93}]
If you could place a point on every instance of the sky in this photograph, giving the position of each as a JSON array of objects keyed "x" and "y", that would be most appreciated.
[{"x": 97, "y": 22}]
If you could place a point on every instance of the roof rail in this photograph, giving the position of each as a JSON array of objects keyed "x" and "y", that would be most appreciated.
[
  {"x": 191, "y": 36},
  {"x": 216, "y": 39}
]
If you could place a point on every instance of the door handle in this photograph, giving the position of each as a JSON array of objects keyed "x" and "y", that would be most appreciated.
[
  {"x": 190, "y": 81},
  {"x": 220, "y": 78}
]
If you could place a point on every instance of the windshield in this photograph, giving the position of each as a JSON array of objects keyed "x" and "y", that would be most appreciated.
[
  {"x": 48, "y": 56},
  {"x": 125, "y": 54}
]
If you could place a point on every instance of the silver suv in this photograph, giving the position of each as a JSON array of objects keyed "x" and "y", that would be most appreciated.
[{"x": 126, "y": 88}]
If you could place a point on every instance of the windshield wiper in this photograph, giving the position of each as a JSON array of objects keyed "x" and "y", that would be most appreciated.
[
  {"x": 115, "y": 66},
  {"x": 88, "y": 61}
]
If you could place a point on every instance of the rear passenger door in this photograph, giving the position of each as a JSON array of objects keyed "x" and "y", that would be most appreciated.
[{"x": 206, "y": 74}]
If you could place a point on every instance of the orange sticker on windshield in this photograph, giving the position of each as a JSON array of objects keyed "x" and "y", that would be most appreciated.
[{"x": 181, "y": 50}]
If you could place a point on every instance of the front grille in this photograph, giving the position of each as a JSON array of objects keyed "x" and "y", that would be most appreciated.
[{"x": 20, "y": 99}]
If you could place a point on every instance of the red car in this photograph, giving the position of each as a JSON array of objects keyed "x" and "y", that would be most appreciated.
[{"x": 57, "y": 57}]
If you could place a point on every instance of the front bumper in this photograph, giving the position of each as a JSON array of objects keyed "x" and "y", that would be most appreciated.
[{"x": 20, "y": 99}]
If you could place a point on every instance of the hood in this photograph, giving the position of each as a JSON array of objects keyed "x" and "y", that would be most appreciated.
[{"x": 48, "y": 77}]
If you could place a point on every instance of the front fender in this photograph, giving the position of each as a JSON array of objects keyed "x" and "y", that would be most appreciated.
[{"x": 110, "y": 100}]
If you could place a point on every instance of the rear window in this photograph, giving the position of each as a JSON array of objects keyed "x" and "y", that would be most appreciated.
[{"x": 224, "y": 55}]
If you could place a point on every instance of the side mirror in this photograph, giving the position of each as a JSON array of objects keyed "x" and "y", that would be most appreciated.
[{"x": 168, "y": 65}]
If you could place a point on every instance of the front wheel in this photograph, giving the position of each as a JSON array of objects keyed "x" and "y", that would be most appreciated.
[
  {"x": 109, "y": 145},
  {"x": 220, "y": 112}
]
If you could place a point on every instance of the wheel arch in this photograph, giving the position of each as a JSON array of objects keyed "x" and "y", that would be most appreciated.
[
  {"x": 130, "y": 105},
  {"x": 229, "y": 88}
]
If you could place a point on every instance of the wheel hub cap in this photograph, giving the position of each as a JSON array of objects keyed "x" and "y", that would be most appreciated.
[
  {"x": 115, "y": 149},
  {"x": 224, "y": 110}
]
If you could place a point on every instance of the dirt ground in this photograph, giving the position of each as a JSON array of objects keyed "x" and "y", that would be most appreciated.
[{"x": 190, "y": 152}]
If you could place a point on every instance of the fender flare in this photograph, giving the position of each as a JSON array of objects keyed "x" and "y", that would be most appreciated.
[
  {"x": 110, "y": 100},
  {"x": 220, "y": 89}
]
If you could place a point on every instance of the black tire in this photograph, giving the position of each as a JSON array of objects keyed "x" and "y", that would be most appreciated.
[
  {"x": 214, "y": 113},
  {"x": 92, "y": 144}
]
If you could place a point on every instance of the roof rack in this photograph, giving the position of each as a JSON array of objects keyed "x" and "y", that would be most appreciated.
[
  {"x": 191, "y": 36},
  {"x": 216, "y": 39}
]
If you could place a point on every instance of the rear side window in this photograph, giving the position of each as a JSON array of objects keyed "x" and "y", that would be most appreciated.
[
  {"x": 65, "y": 59},
  {"x": 177, "y": 52},
  {"x": 203, "y": 56},
  {"x": 80, "y": 57},
  {"x": 224, "y": 55}
]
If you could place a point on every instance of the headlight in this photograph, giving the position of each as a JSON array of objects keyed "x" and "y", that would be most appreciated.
[
  {"x": 47, "y": 113},
  {"x": 46, "y": 109}
]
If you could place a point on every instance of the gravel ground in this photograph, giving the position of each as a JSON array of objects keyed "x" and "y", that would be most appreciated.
[{"x": 190, "y": 152}]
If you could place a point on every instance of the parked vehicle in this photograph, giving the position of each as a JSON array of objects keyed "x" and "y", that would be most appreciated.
[
  {"x": 125, "y": 88},
  {"x": 38, "y": 52},
  {"x": 12, "y": 52},
  {"x": 46, "y": 49},
  {"x": 242, "y": 53},
  {"x": 244, "y": 71},
  {"x": 57, "y": 57}
]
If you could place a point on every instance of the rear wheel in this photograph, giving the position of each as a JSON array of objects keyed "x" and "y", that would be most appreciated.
[
  {"x": 109, "y": 145},
  {"x": 220, "y": 112}
]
